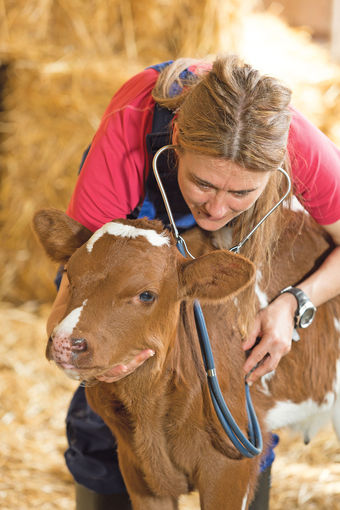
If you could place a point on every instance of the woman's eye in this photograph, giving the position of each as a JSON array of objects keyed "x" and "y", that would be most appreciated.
[
  {"x": 203, "y": 186},
  {"x": 147, "y": 297},
  {"x": 240, "y": 193}
]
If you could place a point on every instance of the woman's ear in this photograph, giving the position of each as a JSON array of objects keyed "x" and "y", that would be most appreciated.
[{"x": 174, "y": 133}]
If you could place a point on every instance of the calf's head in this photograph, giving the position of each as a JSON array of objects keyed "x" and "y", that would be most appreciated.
[{"x": 126, "y": 282}]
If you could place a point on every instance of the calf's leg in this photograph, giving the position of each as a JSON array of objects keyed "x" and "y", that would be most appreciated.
[
  {"x": 227, "y": 484},
  {"x": 153, "y": 503},
  {"x": 142, "y": 498}
]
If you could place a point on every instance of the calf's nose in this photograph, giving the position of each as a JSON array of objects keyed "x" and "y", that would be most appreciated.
[{"x": 78, "y": 345}]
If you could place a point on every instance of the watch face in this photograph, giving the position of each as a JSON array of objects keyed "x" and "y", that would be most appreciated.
[{"x": 307, "y": 317}]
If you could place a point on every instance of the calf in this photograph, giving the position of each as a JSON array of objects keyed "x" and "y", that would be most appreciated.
[{"x": 129, "y": 334}]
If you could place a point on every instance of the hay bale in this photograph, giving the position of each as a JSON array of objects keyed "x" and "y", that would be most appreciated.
[
  {"x": 49, "y": 126},
  {"x": 66, "y": 59}
]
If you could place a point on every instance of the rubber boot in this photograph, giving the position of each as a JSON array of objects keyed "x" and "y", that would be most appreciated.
[
  {"x": 262, "y": 494},
  {"x": 90, "y": 500}
]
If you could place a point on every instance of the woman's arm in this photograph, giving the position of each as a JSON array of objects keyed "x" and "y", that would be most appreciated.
[{"x": 275, "y": 323}]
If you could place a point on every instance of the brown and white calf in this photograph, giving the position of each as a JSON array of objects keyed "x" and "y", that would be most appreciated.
[{"x": 129, "y": 333}]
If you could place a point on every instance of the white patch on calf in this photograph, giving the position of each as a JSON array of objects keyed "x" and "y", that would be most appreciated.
[
  {"x": 67, "y": 325},
  {"x": 265, "y": 380},
  {"x": 236, "y": 303},
  {"x": 72, "y": 374},
  {"x": 307, "y": 417},
  {"x": 262, "y": 296},
  {"x": 245, "y": 499},
  {"x": 337, "y": 324},
  {"x": 336, "y": 386},
  {"x": 118, "y": 229},
  {"x": 295, "y": 205}
]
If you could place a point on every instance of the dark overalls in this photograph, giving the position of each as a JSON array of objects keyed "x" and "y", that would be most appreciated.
[{"x": 92, "y": 454}]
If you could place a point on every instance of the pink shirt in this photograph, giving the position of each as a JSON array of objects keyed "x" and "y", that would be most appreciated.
[
  {"x": 112, "y": 181},
  {"x": 315, "y": 162}
]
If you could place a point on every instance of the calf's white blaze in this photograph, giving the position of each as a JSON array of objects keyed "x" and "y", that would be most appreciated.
[
  {"x": 67, "y": 325},
  {"x": 118, "y": 229}
]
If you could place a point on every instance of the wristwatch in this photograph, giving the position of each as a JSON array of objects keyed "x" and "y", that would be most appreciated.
[{"x": 305, "y": 311}]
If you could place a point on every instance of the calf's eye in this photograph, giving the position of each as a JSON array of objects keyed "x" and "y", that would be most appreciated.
[{"x": 147, "y": 296}]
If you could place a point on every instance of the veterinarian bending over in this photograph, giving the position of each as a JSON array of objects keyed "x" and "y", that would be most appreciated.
[{"x": 232, "y": 129}]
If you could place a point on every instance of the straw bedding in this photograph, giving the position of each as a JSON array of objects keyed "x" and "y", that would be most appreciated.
[{"x": 34, "y": 396}]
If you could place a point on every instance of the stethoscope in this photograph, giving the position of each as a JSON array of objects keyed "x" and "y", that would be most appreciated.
[
  {"x": 175, "y": 232},
  {"x": 251, "y": 446}
]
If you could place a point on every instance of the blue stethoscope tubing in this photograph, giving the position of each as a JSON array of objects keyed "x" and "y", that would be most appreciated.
[{"x": 253, "y": 445}]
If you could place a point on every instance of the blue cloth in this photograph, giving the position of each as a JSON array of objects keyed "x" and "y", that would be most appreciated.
[
  {"x": 269, "y": 457},
  {"x": 92, "y": 453}
]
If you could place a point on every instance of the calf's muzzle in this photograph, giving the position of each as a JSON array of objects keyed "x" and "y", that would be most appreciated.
[{"x": 63, "y": 349}]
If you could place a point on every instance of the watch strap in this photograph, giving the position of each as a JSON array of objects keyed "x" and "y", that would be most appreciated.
[
  {"x": 301, "y": 299},
  {"x": 297, "y": 293}
]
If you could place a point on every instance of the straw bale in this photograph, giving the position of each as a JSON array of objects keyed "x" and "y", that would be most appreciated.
[
  {"x": 65, "y": 60},
  {"x": 53, "y": 112},
  {"x": 34, "y": 396},
  {"x": 129, "y": 28}
]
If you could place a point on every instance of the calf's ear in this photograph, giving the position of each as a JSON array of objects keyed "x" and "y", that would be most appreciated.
[
  {"x": 59, "y": 234},
  {"x": 215, "y": 276}
]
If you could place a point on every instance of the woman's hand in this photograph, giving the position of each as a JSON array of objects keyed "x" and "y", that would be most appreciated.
[{"x": 274, "y": 326}]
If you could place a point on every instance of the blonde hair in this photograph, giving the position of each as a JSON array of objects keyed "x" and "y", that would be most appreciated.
[{"x": 231, "y": 111}]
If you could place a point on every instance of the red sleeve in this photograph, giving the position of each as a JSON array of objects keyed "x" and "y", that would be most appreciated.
[
  {"x": 111, "y": 182},
  {"x": 315, "y": 162}
]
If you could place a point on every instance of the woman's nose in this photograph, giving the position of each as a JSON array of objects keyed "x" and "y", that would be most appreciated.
[{"x": 217, "y": 206}]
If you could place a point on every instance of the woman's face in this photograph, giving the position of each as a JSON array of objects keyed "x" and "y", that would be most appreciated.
[{"x": 217, "y": 190}]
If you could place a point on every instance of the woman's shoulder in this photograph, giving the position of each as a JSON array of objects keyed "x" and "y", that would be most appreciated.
[
  {"x": 136, "y": 91},
  {"x": 315, "y": 168},
  {"x": 304, "y": 135}
]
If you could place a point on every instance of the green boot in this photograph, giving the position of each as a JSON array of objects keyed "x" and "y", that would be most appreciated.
[
  {"x": 262, "y": 494},
  {"x": 90, "y": 500}
]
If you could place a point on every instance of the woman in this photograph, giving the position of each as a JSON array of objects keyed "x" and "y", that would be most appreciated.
[{"x": 231, "y": 128}]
